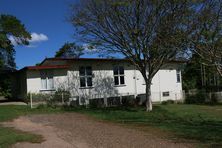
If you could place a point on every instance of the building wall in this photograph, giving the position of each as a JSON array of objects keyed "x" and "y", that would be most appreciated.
[
  {"x": 34, "y": 80},
  {"x": 103, "y": 85}
]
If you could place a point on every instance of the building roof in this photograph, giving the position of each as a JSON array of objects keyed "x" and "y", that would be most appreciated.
[
  {"x": 41, "y": 66},
  {"x": 98, "y": 59},
  {"x": 45, "y": 67},
  {"x": 81, "y": 59}
]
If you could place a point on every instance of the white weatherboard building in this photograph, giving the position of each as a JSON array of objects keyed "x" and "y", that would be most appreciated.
[{"x": 98, "y": 78}]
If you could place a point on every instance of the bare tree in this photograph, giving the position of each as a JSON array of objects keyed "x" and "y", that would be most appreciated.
[
  {"x": 150, "y": 33},
  {"x": 207, "y": 40}
]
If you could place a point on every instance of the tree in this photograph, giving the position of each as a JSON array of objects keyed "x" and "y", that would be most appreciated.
[
  {"x": 148, "y": 33},
  {"x": 11, "y": 26},
  {"x": 207, "y": 41},
  {"x": 70, "y": 50}
]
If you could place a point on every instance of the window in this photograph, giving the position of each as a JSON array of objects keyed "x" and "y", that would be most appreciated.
[
  {"x": 85, "y": 74},
  {"x": 178, "y": 76},
  {"x": 166, "y": 94},
  {"x": 47, "y": 82},
  {"x": 118, "y": 73}
]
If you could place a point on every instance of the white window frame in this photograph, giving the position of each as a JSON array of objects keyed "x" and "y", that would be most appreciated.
[
  {"x": 86, "y": 77},
  {"x": 46, "y": 76},
  {"x": 118, "y": 75}
]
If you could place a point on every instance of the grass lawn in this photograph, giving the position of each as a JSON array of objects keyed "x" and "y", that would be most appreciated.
[
  {"x": 200, "y": 123},
  {"x": 193, "y": 122},
  {"x": 9, "y": 136}
]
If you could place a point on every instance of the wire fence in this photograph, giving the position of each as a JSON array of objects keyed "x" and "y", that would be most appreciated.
[
  {"x": 202, "y": 96},
  {"x": 127, "y": 99}
]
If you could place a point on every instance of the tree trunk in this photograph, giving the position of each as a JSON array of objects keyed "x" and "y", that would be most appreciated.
[{"x": 149, "y": 106}]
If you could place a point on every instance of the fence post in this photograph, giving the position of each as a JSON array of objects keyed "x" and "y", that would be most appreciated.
[
  {"x": 105, "y": 101},
  {"x": 160, "y": 96},
  {"x": 121, "y": 100},
  {"x": 62, "y": 98},
  {"x": 31, "y": 100}
]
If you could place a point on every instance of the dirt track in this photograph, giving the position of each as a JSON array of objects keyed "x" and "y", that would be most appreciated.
[{"x": 80, "y": 131}]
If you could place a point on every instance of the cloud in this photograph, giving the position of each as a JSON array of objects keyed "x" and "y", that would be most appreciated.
[
  {"x": 35, "y": 37},
  {"x": 38, "y": 37}
]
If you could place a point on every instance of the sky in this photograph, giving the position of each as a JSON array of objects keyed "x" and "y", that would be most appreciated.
[{"x": 46, "y": 21}]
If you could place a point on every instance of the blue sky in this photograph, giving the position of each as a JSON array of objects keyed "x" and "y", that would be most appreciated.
[{"x": 46, "y": 20}]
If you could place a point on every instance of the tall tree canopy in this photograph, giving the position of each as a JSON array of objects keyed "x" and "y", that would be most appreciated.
[
  {"x": 207, "y": 40},
  {"x": 149, "y": 33},
  {"x": 11, "y": 26},
  {"x": 70, "y": 50}
]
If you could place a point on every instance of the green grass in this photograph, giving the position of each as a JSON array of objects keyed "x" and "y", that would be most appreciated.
[
  {"x": 192, "y": 122},
  {"x": 9, "y": 136},
  {"x": 200, "y": 123}
]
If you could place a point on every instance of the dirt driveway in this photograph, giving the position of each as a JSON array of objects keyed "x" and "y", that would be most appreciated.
[{"x": 80, "y": 131}]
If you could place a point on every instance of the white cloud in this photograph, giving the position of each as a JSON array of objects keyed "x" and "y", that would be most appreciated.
[
  {"x": 38, "y": 37},
  {"x": 35, "y": 37}
]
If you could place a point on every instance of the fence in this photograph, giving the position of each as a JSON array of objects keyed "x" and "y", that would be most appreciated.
[
  {"x": 65, "y": 98},
  {"x": 198, "y": 96},
  {"x": 58, "y": 98}
]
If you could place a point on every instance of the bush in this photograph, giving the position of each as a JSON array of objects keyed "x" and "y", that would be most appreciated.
[
  {"x": 61, "y": 96},
  {"x": 73, "y": 103},
  {"x": 168, "y": 102},
  {"x": 198, "y": 98},
  {"x": 37, "y": 97},
  {"x": 214, "y": 99},
  {"x": 96, "y": 103},
  {"x": 6, "y": 85},
  {"x": 113, "y": 101},
  {"x": 58, "y": 98},
  {"x": 129, "y": 101},
  {"x": 41, "y": 106}
]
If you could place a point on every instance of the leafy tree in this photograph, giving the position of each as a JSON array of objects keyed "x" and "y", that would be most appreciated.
[
  {"x": 70, "y": 50},
  {"x": 11, "y": 26},
  {"x": 148, "y": 33},
  {"x": 192, "y": 74}
]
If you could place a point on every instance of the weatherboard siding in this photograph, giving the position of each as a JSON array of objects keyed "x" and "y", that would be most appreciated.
[{"x": 165, "y": 80}]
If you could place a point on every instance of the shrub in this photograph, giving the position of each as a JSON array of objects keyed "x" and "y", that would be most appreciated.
[
  {"x": 59, "y": 97},
  {"x": 113, "y": 101},
  {"x": 41, "y": 106},
  {"x": 198, "y": 98},
  {"x": 96, "y": 103},
  {"x": 38, "y": 97},
  {"x": 129, "y": 101},
  {"x": 168, "y": 102},
  {"x": 214, "y": 99},
  {"x": 73, "y": 103}
]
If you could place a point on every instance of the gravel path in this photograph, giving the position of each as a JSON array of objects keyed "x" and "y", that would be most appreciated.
[{"x": 80, "y": 131}]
